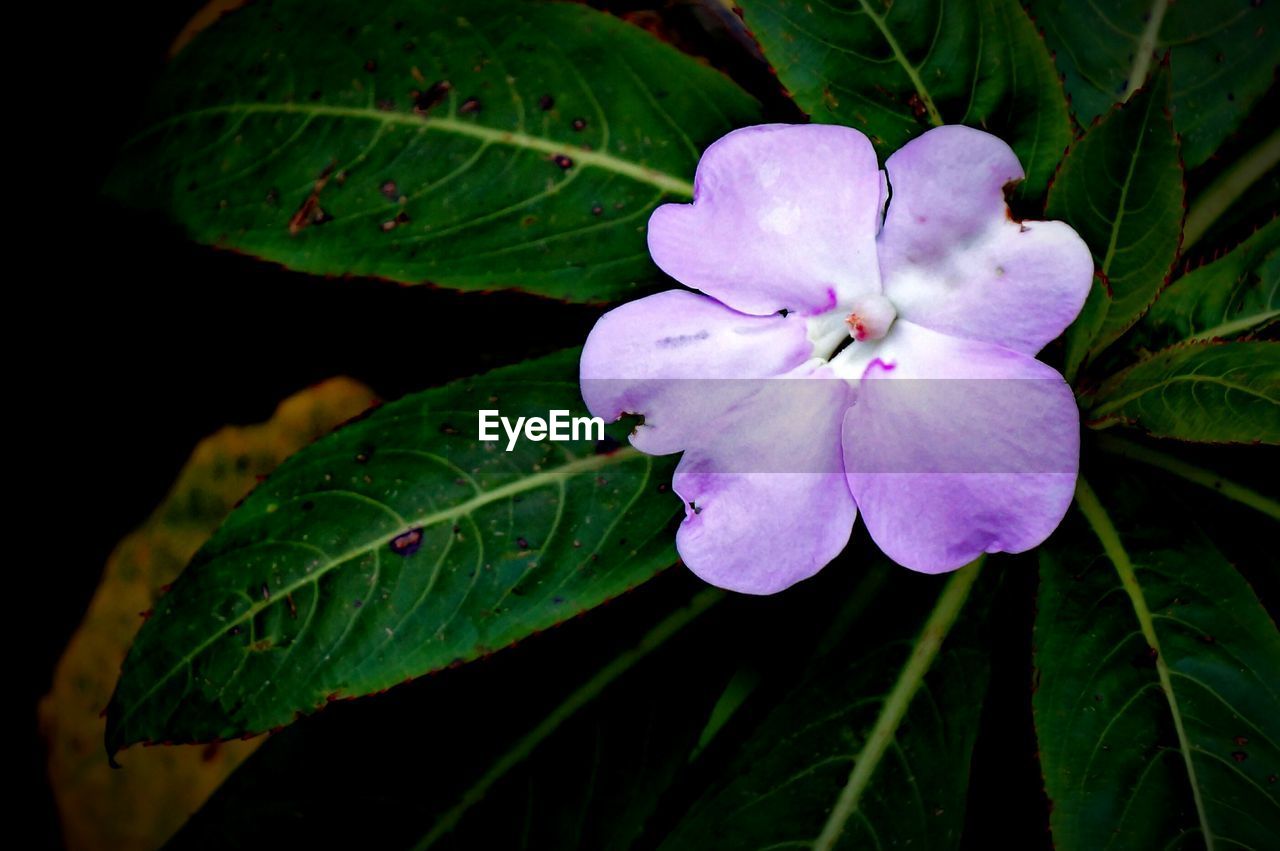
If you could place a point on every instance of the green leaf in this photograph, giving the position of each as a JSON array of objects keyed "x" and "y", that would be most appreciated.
[
  {"x": 396, "y": 546},
  {"x": 581, "y": 757},
  {"x": 1208, "y": 392},
  {"x": 1223, "y": 57},
  {"x": 1223, "y": 299},
  {"x": 893, "y": 70},
  {"x": 584, "y": 739},
  {"x": 470, "y": 143},
  {"x": 1157, "y": 708},
  {"x": 1121, "y": 188},
  {"x": 873, "y": 749}
]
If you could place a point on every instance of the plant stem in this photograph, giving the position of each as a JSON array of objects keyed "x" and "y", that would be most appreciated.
[
  {"x": 1146, "y": 49},
  {"x": 1218, "y": 197},
  {"x": 578, "y": 698},
  {"x": 1198, "y": 475},
  {"x": 939, "y": 623}
]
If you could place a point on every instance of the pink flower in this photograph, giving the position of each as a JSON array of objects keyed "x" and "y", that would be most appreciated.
[{"x": 905, "y": 308}]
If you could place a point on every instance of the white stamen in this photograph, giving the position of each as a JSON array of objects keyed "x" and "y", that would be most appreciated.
[{"x": 870, "y": 317}]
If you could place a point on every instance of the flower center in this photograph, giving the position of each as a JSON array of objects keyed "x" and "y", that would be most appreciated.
[{"x": 870, "y": 317}]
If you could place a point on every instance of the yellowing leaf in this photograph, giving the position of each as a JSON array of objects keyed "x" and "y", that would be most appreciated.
[{"x": 140, "y": 807}]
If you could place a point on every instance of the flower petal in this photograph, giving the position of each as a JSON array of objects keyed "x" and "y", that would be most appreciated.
[
  {"x": 952, "y": 259},
  {"x": 783, "y": 217},
  {"x": 765, "y": 494},
  {"x": 681, "y": 359},
  {"x": 956, "y": 447}
]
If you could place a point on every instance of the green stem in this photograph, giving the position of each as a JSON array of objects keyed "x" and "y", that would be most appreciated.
[
  {"x": 1198, "y": 475},
  {"x": 1218, "y": 197},
  {"x": 578, "y": 698},
  {"x": 894, "y": 709},
  {"x": 1146, "y": 47},
  {"x": 1101, "y": 524}
]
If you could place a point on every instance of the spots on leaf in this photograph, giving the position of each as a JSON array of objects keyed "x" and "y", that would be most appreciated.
[
  {"x": 310, "y": 212},
  {"x": 407, "y": 543},
  {"x": 424, "y": 100},
  {"x": 401, "y": 218}
]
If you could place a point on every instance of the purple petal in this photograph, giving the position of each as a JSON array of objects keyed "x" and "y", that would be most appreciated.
[
  {"x": 784, "y": 217},
  {"x": 956, "y": 447},
  {"x": 766, "y": 500},
  {"x": 952, "y": 259},
  {"x": 681, "y": 359}
]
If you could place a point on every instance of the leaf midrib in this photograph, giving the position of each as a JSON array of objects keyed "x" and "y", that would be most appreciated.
[
  {"x": 1109, "y": 299},
  {"x": 1241, "y": 322},
  {"x": 1124, "y": 191},
  {"x": 1100, "y": 523},
  {"x": 516, "y": 139},
  {"x": 1115, "y": 404},
  {"x": 913, "y": 74},
  {"x": 533, "y": 482}
]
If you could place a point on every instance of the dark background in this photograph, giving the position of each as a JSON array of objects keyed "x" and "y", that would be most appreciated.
[{"x": 153, "y": 342}]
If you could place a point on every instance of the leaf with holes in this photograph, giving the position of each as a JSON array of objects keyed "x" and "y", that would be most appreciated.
[
  {"x": 1229, "y": 297},
  {"x": 396, "y": 546},
  {"x": 873, "y": 749},
  {"x": 1157, "y": 708},
  {"x": 893, "y": 70},
  {"x": 1121, "y": 188},
  {"x": 1223, "y": 57},
  {"x": 1209, "y": 392},
  {"x": 474, "y": 144}
]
